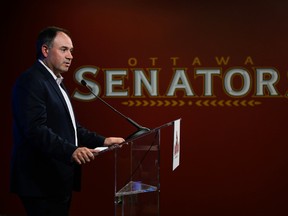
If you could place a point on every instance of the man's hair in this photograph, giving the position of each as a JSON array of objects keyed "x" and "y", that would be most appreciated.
[{"x": 46, "y": 36}]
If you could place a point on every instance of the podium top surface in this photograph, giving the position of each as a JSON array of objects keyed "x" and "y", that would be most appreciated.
[{"x": 112, "y": 147}]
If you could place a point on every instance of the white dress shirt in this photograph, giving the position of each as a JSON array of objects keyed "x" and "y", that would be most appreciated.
[{"x": 69, "y": 105}]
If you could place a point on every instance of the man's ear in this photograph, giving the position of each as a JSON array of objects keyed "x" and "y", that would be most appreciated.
[{"x": 45, "y": 50}]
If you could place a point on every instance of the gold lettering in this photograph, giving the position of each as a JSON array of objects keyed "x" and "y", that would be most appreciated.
[
  {"x": 174, "y": 59},
  {"x": 153, "y": 60},
  {"x": 196, "y": 60},
  {"x": 222, "y": 60},
  {"x": 248, "y": 60},
  {"x": 132, "y": 62}
]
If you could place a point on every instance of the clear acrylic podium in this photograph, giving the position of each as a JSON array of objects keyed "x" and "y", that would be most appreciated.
[{"x": 137, "y": 175}]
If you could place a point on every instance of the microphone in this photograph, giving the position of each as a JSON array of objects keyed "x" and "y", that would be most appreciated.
[{"x": 140, "y": 130}]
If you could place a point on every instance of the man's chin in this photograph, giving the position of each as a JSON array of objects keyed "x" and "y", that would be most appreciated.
[{"x": 64, "y": 69}]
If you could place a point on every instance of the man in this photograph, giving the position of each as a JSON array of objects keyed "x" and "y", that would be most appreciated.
[{"x": 49, "y": 145}]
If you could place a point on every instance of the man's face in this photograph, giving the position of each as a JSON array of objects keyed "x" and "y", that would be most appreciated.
[{"x": 59, "y": 56}]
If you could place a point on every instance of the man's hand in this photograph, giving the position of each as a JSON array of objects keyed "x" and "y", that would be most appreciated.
[
  {"x": 83, "y": 155},
  {"x": 113, "y": 140}
]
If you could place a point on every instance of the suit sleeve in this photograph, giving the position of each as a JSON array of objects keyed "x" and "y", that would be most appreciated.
[{"x": 88, "y": 138}]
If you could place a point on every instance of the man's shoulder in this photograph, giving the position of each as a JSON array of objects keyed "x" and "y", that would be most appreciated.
[
  {"x": 33, "y": 76},
  {"x": 36, "y": 71}
]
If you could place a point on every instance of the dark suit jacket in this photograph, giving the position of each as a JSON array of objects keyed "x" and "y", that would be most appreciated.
[{"x": 44, "y": 137}]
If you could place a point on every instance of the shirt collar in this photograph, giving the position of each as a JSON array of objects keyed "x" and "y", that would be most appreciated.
[{"x": 57, "y": 79}]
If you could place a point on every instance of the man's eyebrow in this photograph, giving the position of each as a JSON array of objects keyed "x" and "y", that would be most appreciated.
[{"x": 66, "y": 47}]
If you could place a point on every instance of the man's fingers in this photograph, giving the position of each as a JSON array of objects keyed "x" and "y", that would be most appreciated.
[
  {"x": 83, "y": 155},
  {"x": 113, "y": 140}
]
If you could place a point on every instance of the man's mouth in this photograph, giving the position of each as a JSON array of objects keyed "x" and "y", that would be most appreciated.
[{"x": 67, "y": 64}]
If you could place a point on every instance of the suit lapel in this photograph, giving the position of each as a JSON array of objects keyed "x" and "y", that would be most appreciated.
[
  {"x": 59, "y": 93},
  {"x": 56, "y": 88}
]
